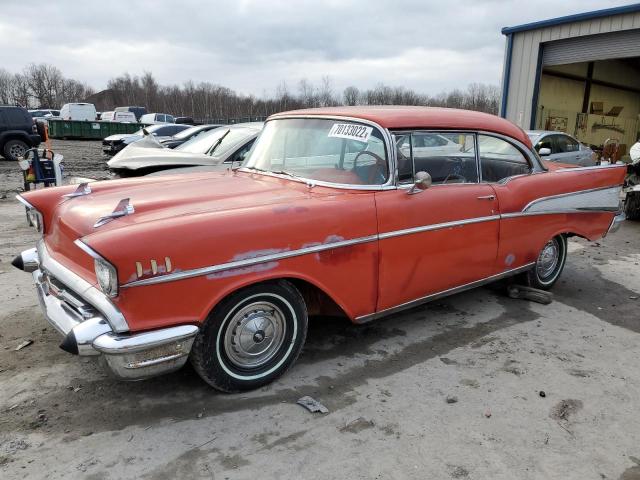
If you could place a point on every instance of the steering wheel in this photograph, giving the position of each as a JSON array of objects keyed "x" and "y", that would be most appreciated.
[{"x": 380, "y": 162}]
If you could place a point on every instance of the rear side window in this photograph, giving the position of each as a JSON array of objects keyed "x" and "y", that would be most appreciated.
[{"x": 500, "y": 159}]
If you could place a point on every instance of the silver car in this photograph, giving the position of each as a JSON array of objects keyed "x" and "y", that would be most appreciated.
[
  {"x": 220, "y": 148},
  {"x": 562, "y": 148}
]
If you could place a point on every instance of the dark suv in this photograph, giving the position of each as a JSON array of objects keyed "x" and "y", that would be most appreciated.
[{"x": 18, "y": 132}]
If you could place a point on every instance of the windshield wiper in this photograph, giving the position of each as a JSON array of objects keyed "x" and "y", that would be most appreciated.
[
  {"x": 217, "y": 144},
  {"x": 282, "y": 172}
]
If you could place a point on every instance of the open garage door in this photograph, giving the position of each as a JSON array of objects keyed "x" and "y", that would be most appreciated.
[{"x": 622, "y": 44}]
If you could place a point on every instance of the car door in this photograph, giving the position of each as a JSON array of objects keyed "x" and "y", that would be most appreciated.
[
  {"x": 440, "y": 238},
  {"x": 506, "y": 166}
]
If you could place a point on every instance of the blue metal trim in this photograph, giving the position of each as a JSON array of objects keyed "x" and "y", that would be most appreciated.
[
  {"x": 536, "y": 89},
  {"x": 506, "y": 76},
  {"x": 635, "y": 7}
]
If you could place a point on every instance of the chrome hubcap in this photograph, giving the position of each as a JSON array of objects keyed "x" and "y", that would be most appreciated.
[
  {"x": 548, "y": 259},
  {"x": 255, "y": 334}
]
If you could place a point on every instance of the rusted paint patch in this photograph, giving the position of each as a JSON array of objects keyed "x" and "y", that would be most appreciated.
[
  {"x": 257, "y": 253},
  {"x": 260, "y": 267}
]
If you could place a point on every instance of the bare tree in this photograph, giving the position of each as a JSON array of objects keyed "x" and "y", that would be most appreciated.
[{"x": 351, "y": 96}]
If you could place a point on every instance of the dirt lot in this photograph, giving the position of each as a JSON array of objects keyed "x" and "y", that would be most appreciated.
[{"x": 450, "y": 390}]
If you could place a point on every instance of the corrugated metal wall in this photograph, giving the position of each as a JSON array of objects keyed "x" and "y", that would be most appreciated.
[{"x": 526, "y": 48}]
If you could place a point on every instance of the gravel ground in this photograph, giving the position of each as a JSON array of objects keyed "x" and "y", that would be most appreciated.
[{"x": 476, "y": 386}]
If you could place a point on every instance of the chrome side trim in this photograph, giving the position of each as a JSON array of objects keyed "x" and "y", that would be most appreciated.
[
  {"x": 557, "y": 212},
  {"x": 87, "y": 249},
  {"x": 592, "y": 167},
  {"x": 181, "y": 275},
  {"x": 437, "y": 226},
  {"x": 591, "y": 199},
  {"x": 444, "y": 293},
  {"x": 24, "y": 202},
  {"x": 84, "y": 289}
]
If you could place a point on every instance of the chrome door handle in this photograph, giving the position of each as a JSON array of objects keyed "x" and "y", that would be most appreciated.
[{"x": 487, "y": 197}]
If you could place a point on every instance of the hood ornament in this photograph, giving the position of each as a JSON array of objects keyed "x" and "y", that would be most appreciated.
[
  {"x": 82, "y": 190},
  {"x": 123, "y": 209}
]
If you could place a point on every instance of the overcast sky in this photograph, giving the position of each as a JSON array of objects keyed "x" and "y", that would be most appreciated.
[{"x": 253, "y": 45}]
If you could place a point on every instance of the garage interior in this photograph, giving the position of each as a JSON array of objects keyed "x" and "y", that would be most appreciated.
[{"x": 591, "y": 90}]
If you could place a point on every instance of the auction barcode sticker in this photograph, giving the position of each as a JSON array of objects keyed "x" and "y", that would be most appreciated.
[{"x": 351, "y": 131}]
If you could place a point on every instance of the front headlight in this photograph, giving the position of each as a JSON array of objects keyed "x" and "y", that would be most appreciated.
[
  {"x": 35, "y": 219},
  {"x": 107, "y": 277}
]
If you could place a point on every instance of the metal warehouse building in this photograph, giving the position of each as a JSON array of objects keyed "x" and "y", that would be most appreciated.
[{"x": 579, "y": 74}]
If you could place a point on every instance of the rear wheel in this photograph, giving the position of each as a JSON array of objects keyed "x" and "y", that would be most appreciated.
[
  {"x": 252, "y": 337},
  {"x": 549, "y": 264},
  {"x": 14, "y": 149}
]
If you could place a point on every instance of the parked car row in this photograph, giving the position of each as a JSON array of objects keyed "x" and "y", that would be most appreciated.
[{"x": 215, "y": 148}]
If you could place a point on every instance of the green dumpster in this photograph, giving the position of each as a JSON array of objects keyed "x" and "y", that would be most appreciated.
[{"x": 86, "y": 130}]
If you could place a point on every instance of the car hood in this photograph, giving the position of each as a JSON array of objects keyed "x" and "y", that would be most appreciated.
[
  {"x": 137, "y": 156},
  {"x": 119, "y": 136},
  {"x": 162, "y": 197}
]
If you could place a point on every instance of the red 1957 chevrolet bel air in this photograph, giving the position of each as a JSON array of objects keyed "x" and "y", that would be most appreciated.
[{"x": 359, "y": 210}]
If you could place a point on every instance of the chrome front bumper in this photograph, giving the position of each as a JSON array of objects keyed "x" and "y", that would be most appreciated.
[{"x": 92, "y": 325}]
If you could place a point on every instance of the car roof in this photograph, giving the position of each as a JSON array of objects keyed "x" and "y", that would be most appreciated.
[{"x": 411, "y": 117}]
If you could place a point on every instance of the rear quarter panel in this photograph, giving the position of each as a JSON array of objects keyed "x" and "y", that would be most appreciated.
[{"x": 523, "y": 233}]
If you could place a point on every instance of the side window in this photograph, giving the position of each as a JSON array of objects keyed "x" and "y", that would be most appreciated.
[
  {"x": 566, "y": 144},
  {"x": 499, "y": 159},
  {"x": 450, "y": 159}
]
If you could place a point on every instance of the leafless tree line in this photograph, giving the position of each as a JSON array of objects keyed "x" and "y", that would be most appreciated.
[
  {"x": 40, "y": 86},
  {"x": 45, "y": 86}
]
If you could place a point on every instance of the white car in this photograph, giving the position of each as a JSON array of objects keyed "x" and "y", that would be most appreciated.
[
  {"x": 154, "y": 118},
  {"x": 432, "y": 144},
  {"x": 115, "y": 143},
  {"x": 561, "y": 147},
  {"x": 219, "y": 147}
]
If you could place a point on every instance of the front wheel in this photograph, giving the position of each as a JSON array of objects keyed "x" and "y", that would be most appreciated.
[
  {"x": 252, "y": 337},
  {"x": 549, "y": 264}
]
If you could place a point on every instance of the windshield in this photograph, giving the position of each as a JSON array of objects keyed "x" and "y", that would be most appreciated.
[
  {"x": 223, "y": 139},
  {"x": 336, "y": 151},
  {"x": 188, "y": 132}
]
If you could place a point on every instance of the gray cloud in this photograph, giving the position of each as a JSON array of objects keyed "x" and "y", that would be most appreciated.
[{"x": 253, "y": 45}]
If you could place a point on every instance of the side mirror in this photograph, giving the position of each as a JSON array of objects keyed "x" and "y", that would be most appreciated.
[
  {"x": 544, "y": 152},
  {"x": 422, "y": 182}
]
